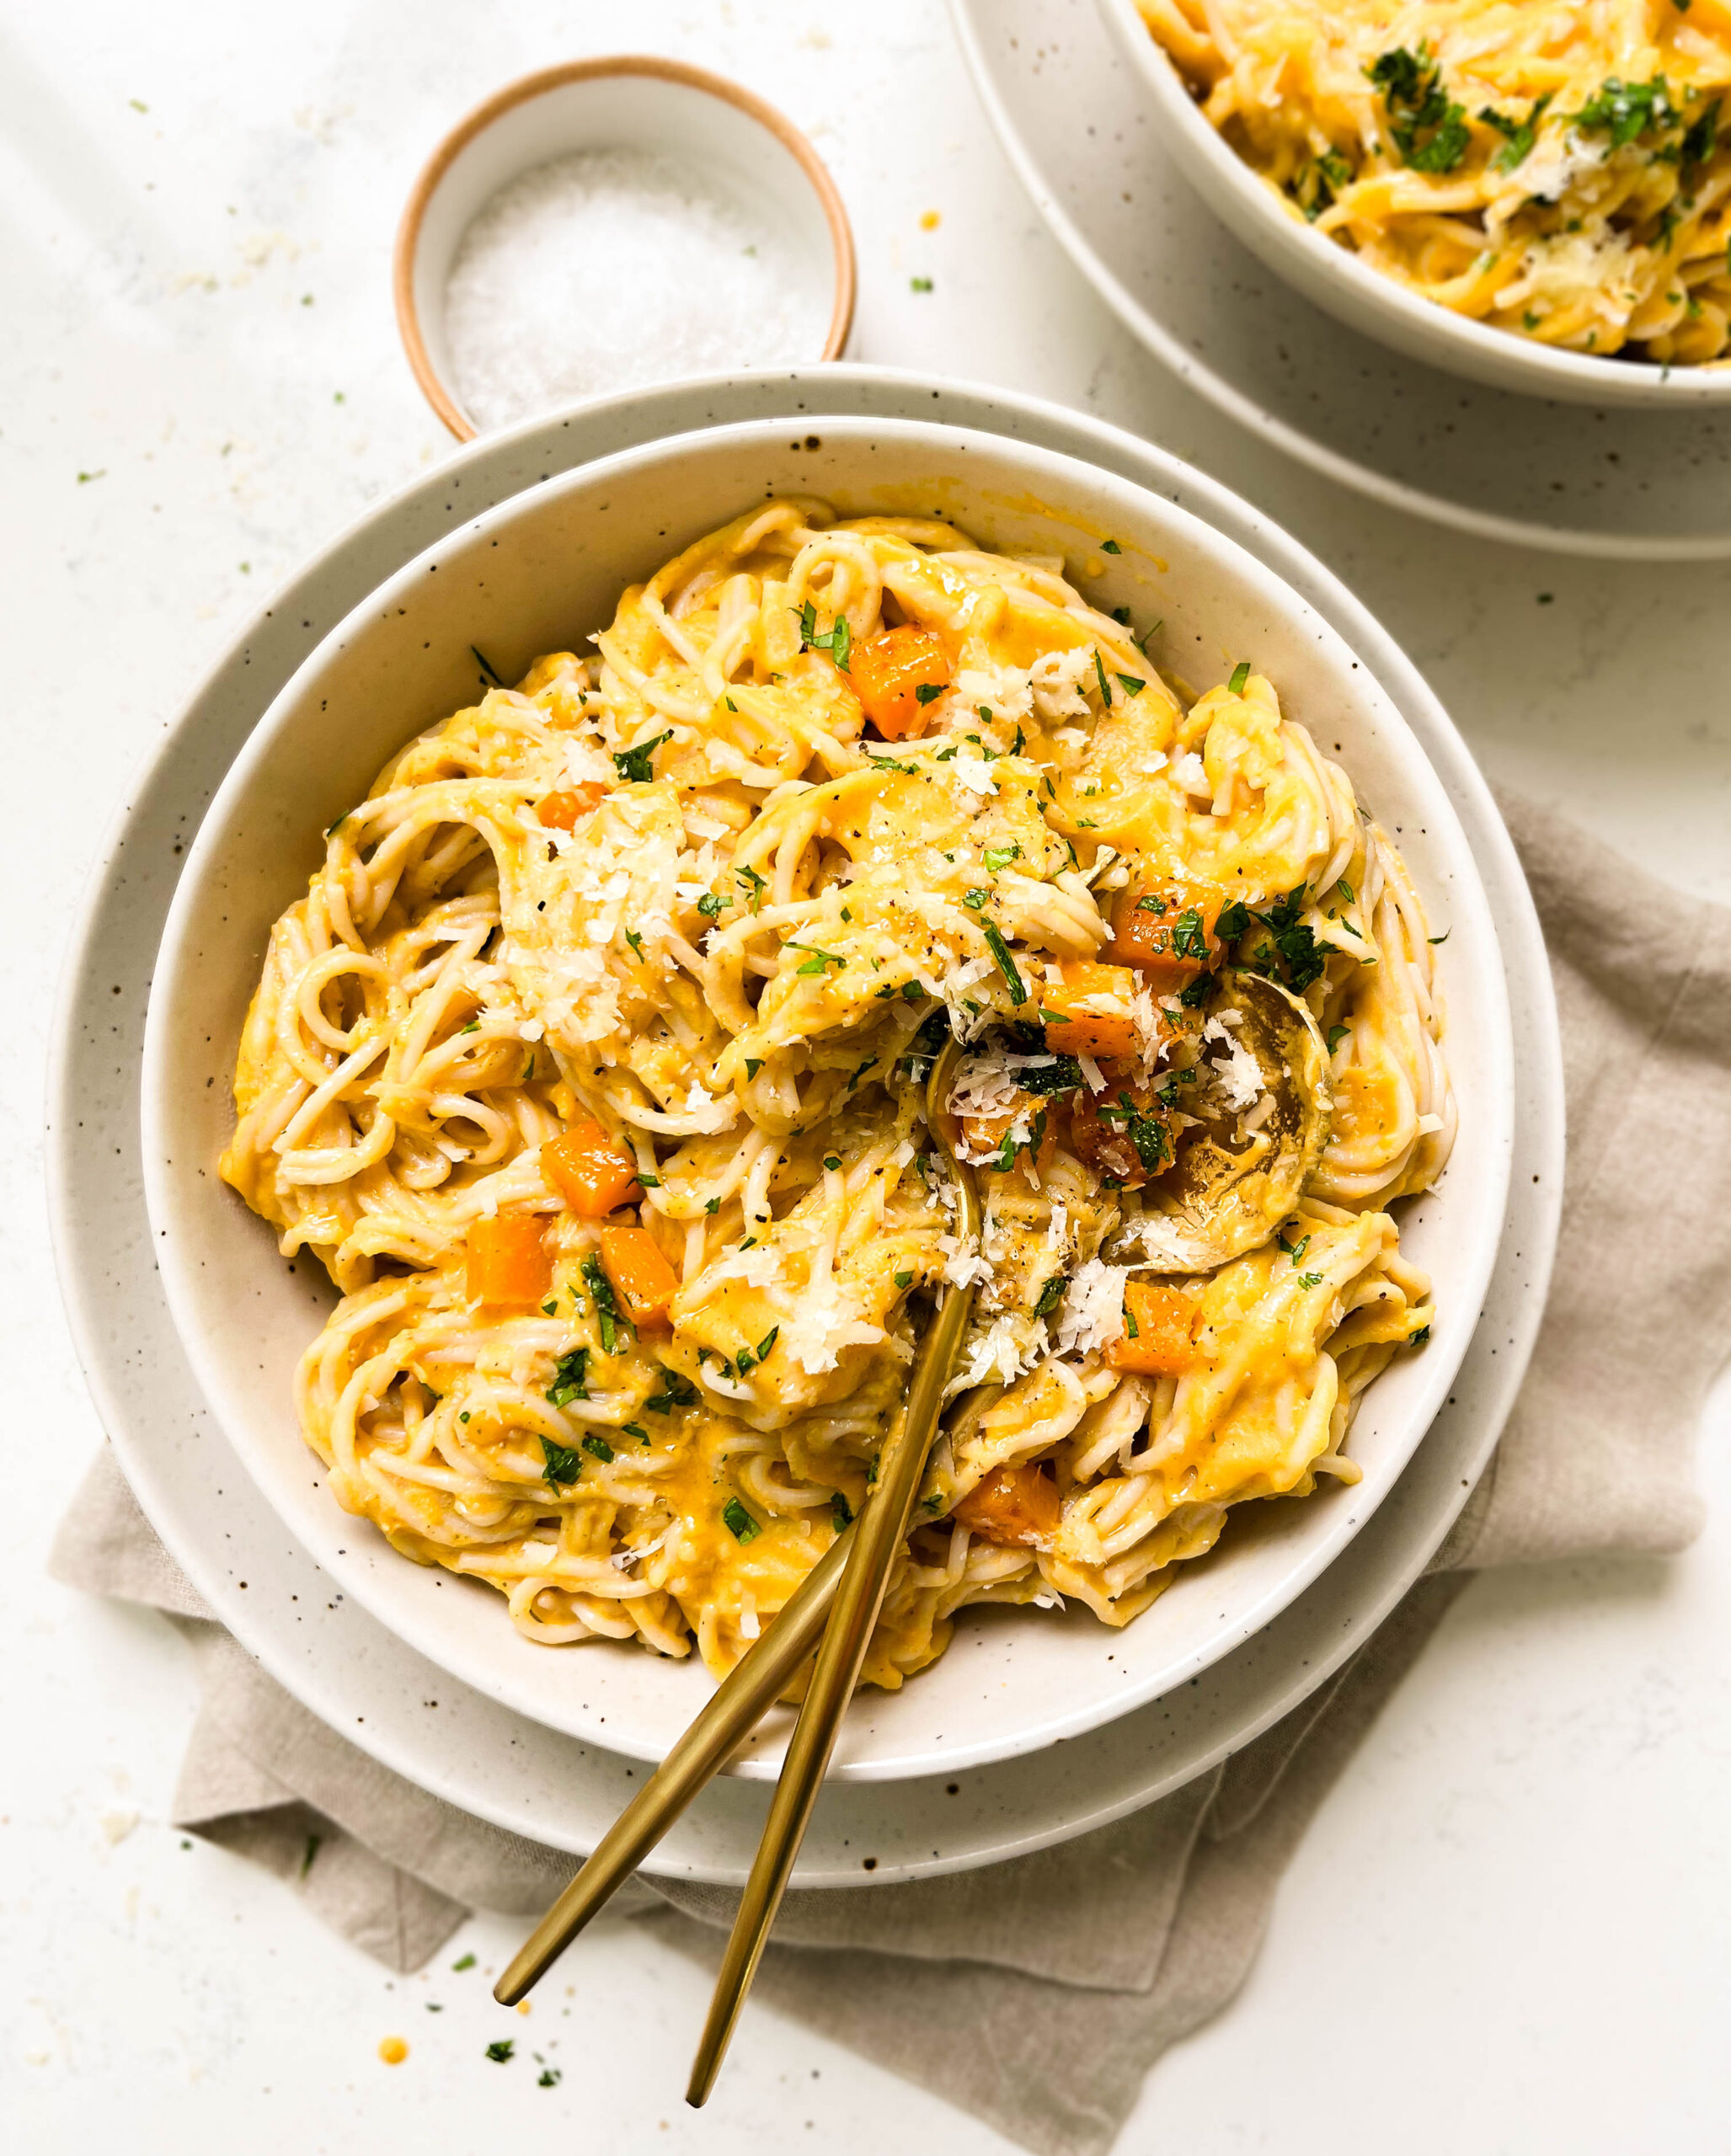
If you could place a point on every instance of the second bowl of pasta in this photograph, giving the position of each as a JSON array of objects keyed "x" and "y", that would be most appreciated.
[
  {"x": 1536, "y": 197},
  {"x": 535, "y": 1117}
]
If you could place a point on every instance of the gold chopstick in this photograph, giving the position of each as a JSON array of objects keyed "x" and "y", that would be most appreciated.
[
  {"x": 747, "y": 1693},
  {"x": 878, "y": 1534}
]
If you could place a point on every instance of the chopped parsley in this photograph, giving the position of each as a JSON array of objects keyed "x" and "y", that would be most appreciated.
[
  {"x": 710, "y": 904},
  {"x": 605, "y": 1309},
  {"x": 1418, "y": 1338},
  {"x": 570, "y": 1378},
  {"x": 1000, "y": 857},
  {"x": 739, "y": 1523},
  {"x": 928, "y": 692},
  {"x": 1336, "y": 1035},
  {"x": 1189, "y": 939},
  {"x": 1294, "y": 1250},
  {"x": 1100, "y": 676},
  {"x": 463, "y": 1962},
  {"x": 1050, "y": 1296},
  {"x": 1232, "y": 921},
  {"x": 978, "y": 897},
  {"x": 754, "y": 1063},
  {"x": 835, "y": 639},
  {"x": 869, "y": 1062},
  {"x": 919, "y": 284},
  {"x": 922, "y": 1052},
  {"x": 564, "y": 1463},
  {"x": 487, "y": 667},
  {"x": 1110, "y": 546},
  {"x": 1006, "y": 965},
  {"x": 1310, "y": 1279},
  {"x": 1429, "y": 129},
  {"x": 841, "y": 1512},
  {"x": 676, "y": 1392},
  {"x": 1318, "y": 181},
  {"x": 1519, "y": 135},
  {"x": 903, "y": 1280},
  {"x": 748, "y": 1359},
  {"x": 1240, "y": 675},
  {"x": 500, "y": 2049},
  {"x": 1131, "y": 685},
  {"x": 1062, "y": 1074},
  {"x": 636, "y": 764},
  {"x": 1703, "y": 133},
  {"x": 1295, "y": 952},
  {"x": 1624, "y": 110},
  {"x": 599, "y": 1448},
  {"x": 750, "y": 877},
  {"x": 1147, "y": 1132},
  {"x": 635, "y": 941}
]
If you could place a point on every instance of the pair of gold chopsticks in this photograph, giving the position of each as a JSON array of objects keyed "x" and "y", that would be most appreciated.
[{"x": 834, "y": 1612}]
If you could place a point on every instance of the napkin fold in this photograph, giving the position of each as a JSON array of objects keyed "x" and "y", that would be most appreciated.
[{"x": 1071, "y": 1970}]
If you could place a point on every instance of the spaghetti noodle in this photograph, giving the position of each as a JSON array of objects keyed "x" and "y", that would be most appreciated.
[
  {"x": 1558, "y": 172},
  {"x": 590, "y": 1067}
]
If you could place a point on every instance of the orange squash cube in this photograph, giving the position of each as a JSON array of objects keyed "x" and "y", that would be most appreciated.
[
  {"x": 594, "y": 1175},
  {"x": 890, "y": 670},
  {"x": 643, "y": 1281},
  {"x": 1013, "y": 1505},
  {"x": 1168, "y": 936},
  {"x": 1156, "y": 1341},
  {"x": 564, "y": 810},
  {"x": 1074, "y": 1031},
  {"x": 508, "y": 1262}
]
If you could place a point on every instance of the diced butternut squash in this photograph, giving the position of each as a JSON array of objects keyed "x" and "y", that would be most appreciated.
[
  {"x": 1013, "y": 1505},
  {"x": 897, "y": 675},
  {"x": 508, "y": 1262},
  {"x": 984, "y": 1134},
  {"x": 1123, "y": 1132},
  {"x": 643, "y": 1280},
  {"x": 564, "y": 810},
  {"x": 1156, "y": 1340},
  {"x": 1074, "y": 1029},
  {"x": 592, "y": 1172},
  {"x": 1166, "y": 935}
]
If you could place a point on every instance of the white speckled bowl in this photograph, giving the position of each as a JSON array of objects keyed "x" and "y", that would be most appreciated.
[
  {"x": 539, "y": 572},
  {"x": 1363, "y": 297}
]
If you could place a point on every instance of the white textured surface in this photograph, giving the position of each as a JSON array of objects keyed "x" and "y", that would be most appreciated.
[{"x": 1508, "y": 1929}]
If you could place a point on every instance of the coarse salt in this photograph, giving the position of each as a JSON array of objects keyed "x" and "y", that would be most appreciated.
[{"x": 611, "y": 268}]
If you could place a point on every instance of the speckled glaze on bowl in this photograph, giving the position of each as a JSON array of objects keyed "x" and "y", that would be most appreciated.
[{"x": 539, "y": 572}]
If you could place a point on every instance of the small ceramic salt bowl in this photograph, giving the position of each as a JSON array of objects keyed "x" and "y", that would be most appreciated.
[{"x": 631, "y": 139}]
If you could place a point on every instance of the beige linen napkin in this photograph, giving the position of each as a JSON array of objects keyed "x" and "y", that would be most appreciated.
[{"x": 1072, "y": 1970}]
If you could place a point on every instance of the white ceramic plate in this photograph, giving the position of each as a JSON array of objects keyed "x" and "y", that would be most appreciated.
[
  {"x": 389, "y": 1700},
  {"x": 1084, "y": 136},
  {"x": 539, "y": 572}
]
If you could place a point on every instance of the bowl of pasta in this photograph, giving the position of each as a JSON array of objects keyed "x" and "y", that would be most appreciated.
[
  {"x": 535, "y": 1111},
  {"x": 1536, "y": 197}
]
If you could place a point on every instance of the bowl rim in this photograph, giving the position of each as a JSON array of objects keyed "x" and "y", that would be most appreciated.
[
  {"x": 1456, "y": 344},
  {"x": 1044, "y": 1728},
  {"x": 523, "y": 90}
]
